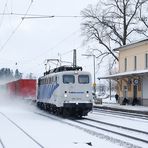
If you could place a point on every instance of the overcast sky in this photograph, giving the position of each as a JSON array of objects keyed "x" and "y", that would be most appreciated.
[{"x": 29, "y": 42}]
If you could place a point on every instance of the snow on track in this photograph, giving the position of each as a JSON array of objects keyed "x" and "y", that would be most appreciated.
[
  {"x": 48, "y": 132},
  {"x": 1, "y": 144},
  {"x": 116, "y": 129},
  {"x": 15, "y": 132},
  {"x": 79, "y": 124},
  {"x": 121, "y": 113},
  {"x": 53, "y": 133}
]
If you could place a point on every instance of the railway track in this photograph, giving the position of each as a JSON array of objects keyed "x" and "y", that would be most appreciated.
[
  {"x": 2, "y": 144},
  {"x": 91, "y": 129},
  {"x": 118, "y": 126},
  {"x": 22, "y": 130},
  {"x": 121, "y": 113},
  {"x": 118, "y": 129}
]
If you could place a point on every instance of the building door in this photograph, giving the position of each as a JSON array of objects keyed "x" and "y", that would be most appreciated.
[{"x": 135, "y": 91}]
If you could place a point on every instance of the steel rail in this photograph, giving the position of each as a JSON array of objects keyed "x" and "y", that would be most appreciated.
[
  {"x": 139, "y": 116},
  {"x": 111, "y": 131},
  {"x": 16, "y": 125},
  {"x": 2, "y": 144},
  {"x": 118, "y": 126},
  {"x": 89, "y": 131}
]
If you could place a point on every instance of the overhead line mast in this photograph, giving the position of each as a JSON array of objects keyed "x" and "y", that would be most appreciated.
[{"x": 74, "y": 58}]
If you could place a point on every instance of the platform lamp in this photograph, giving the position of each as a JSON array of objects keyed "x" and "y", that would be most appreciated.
[{"x": 94, "y": 83}]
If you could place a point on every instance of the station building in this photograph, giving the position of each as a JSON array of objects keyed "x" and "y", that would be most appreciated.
[{"x": 132, "y": 78}]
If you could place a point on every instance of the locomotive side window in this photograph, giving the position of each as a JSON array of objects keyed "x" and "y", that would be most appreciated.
[
  {"x": 83, "y": 79},
  {"x": 42, "y": 81},
  {"x": 39, "y": 82},
  {"x": 56, "y": 79},
  {"x": 49, "y": 80},
  {"x": 68, "y": 79}
]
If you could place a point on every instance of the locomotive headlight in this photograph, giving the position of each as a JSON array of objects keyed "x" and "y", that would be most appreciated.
[
  {"x": 65, "y": 95},
  {"x": 87, "y": 95}
]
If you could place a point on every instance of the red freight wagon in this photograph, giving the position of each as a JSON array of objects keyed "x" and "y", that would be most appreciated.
[
  {"x": 11, "y": 88},
  {"x": 25, "y": 88}
]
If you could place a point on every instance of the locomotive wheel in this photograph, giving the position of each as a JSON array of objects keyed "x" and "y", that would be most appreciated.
[{"x": 65, "y": 113}]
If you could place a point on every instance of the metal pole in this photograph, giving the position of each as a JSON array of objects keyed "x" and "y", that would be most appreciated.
[
  {"x": 110, "y": 84},
  {"x": 94, "y": 82},
  {"x": 74, "y": 58},
  {"x": 94, "y": 77}
]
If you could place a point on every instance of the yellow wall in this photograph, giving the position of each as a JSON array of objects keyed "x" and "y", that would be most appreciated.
[
  {"x": 139, "y": 50},
  {"x": 129, "y": 53},
  {"x": 130, "y": 88}
]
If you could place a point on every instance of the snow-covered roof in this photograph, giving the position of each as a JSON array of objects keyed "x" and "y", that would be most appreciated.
[
  {"x": 132, "y": 45},
  {"x": 125, "y": 74}
]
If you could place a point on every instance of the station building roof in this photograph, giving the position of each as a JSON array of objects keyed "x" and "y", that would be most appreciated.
[
  {"x": 132, "y": 45},
  {"x": 126, "y": 74}
]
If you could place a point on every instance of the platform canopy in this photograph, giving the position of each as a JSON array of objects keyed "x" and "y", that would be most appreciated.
[{"x": 126, "y": 74}]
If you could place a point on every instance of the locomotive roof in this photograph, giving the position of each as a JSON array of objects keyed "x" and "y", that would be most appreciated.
[{"x": 63, "y": 68}]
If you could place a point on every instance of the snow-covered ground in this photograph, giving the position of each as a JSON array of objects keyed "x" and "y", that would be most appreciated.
[
  {"x": 48, "y": 132},
  {"x": 20, "y": 125},
  {"x": 111, "y": 102}
]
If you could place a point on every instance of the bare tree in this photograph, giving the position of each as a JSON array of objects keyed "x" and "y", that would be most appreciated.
[
  {"x": 143, "y": 18},
  {"x": 113, "y": 23}
]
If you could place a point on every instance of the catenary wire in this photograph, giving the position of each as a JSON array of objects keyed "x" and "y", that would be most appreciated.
[
  {"x": 52, "y": 48},
  {"x": 1, "y": 21},
  {"x": 31, "y": 16},
  {"x": 16, "y": 28}
]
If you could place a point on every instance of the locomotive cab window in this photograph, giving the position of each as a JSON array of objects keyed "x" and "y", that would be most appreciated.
[
  {"x": 68, "y": 79},
  {"x": 83, "y": 79}
]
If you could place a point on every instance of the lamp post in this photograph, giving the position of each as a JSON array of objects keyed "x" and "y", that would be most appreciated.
[{"x": 94, "y": 83}]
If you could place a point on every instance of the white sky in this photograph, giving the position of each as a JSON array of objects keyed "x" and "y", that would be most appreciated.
[{"x": 38, "y": 39}]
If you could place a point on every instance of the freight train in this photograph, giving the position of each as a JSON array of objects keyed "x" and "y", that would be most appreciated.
[
  {"x": 66, "y": 91},
  {"x": 22, "y": 88},
  {"x": 63, "y": 90}
]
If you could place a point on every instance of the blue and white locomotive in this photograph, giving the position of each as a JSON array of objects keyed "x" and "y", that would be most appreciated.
[{"x": 65, "y": 90}]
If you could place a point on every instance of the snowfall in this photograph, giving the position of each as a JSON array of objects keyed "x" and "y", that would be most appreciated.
[{"x": 48, "y": 132}]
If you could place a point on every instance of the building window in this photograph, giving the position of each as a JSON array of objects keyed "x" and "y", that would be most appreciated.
[
  {"x": 125, "y": 64},
  {"x": 135, "y": 62},
  {"x": 146, "y": 60}
]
